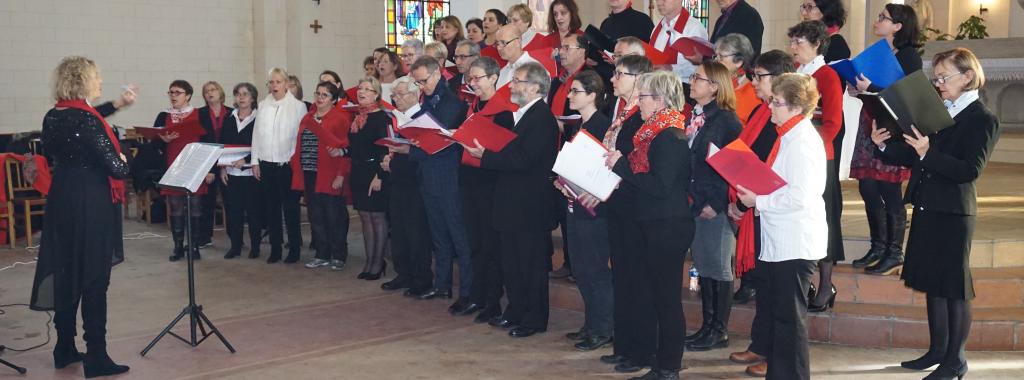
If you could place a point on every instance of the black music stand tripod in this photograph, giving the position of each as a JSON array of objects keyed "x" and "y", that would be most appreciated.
[
  {"x": 197, "y": 319},
  {"x": 20, "y": 370}
]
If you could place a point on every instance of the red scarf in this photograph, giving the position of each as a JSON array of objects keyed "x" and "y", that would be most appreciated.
[
  {"x": 218, "y": 121},
  {"x": 562, "y": 95},
  {"x": 116, "y": 185},
  {"x": 736, "y": 79},
  {"x": 621, "y": 115},
  {"x": 661, "y": 120},
  {"x": 832, "y": 30},
  {"x": 745, "y": 248},
  {"x": 361, "y": 114},
  {"x": 681, "y": 20},
  {"x": 783, "y": 130}
]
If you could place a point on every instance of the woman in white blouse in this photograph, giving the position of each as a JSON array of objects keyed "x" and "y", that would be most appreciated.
[{"x": 793, "y": 229}]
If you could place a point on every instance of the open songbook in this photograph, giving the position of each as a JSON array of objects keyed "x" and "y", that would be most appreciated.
[
  {"x": 910, "y": 102},
  {"x": 188, "y": 171},
  {"x": 431, "y": 136},
  {"x": 581, "y": 163},
  {"x": 738, "y": 165}
]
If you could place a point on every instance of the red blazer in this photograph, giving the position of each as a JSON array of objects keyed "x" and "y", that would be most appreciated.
[
  {"x": 829, "y": 117},
  {"x": 331, "y": 132}
]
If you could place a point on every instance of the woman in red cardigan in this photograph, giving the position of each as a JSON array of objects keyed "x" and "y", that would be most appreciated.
[
  {"x": 808, "y": 41},
  {"x": 319, "y": 171}
]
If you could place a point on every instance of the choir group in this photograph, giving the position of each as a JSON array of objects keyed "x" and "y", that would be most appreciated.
[{"x": 657, "y": 109}]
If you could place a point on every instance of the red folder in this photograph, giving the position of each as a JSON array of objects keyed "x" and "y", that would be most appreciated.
[
  {"x": 543, "y": 56},
  {"x": 426, "y": 130},
  {"x": 658, "y": 57},
  {"x": 391, "y": 142},
  {"x": 492, "y": 52},
  {"x": 183, "y": 129},
  {"x": 738, "y": 165},
  {"x": 690, "y": 45},
  {"x": 492, "y": 136}
]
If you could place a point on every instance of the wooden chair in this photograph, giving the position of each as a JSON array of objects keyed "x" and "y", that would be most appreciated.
[
  {"x": 21, "y": 193},
  {"x": 8, "y": 215}
]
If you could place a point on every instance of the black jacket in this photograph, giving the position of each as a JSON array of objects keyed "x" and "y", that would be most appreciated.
[
  {"x": 230, "y": 135},
  {"x": 661, "y": 192},
  {"x": 708, "y": 188},
  {"x": 523, "y": 190},
  {"x": 744, "y": 20},
  {"x": 944, "y": 181},
  {"x": 207, "y": 122}
]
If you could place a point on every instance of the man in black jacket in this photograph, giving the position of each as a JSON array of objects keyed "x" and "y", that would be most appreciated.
[
  {"x": 523, "y": 214},
  {"x": 739, "y": 17}
]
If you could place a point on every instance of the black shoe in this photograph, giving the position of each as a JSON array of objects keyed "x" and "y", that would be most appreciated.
[
  {"x": 811, "y": 293},
  {"x": 945, "y": 372},
  {"x": 416, "y": 292},
  {"x": 628, "y": 366},
  {"x": 924, "y": 362},
  {"x": 744, "y": 294},
  {"x": 458, "y": 305},
  {"x": 659, "y": 374},
  {"x": 872, "y": 257},
  {"x": 381, "y": 273},
  {"x": 395, "y": 284},
  {"x": 612, "y": 359},
  {"x": 436, "y": 293},
  {"x": 293, "y": 256},
  {"x": 100, "y": 364},
  {"x": 275, "y": 255},
  {"x": 891, "y": 263},
  {"x": 579, "y": 335},
  {"x": 233, "y": 253},
  {"x": 254, "y": 252},
  {"x": 502, "y": 323},
  {"x": 592, "y": 342},
  {"x": 812, "y": 308},
  {"x": 204, "y": 243},
  {"x": 487, "y": 313},
  {"x": 196, "y": 255},
  {"x": 715, "y": 338},
  {"x": 469, "y": 309},
  {"x": 65, "y": 356},
  {"x": 523, "y": 332}
]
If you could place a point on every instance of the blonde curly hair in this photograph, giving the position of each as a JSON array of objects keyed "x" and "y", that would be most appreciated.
[{"x": 71, "y": 77}]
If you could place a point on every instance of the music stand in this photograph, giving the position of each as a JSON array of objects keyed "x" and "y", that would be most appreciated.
[
  {"x": 20, "y": 370},
  {"x": 186, "y": 174}
]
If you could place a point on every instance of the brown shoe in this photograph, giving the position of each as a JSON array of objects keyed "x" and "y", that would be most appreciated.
[
  {"x": 758, "y": 370},
  {"x": 745, "y": 357}
]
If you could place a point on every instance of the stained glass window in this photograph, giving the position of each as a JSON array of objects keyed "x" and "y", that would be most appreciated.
[
  {"x": 407, "y": 19},
  {"x": 699, "y": 10}
]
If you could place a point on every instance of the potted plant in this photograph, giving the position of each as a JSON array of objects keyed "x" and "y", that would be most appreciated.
[{"x": 972, "y": 29}]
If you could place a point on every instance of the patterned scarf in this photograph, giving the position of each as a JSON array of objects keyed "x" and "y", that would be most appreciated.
[
  {"x": 117, "y": 186},
  {"x": 696, "y": 122},
  {"x": 624, "y": 112},
  {"x": 661, "y": 120},
  {"x": 178, "y": 115},
  {"x": 361, "y": 114}
]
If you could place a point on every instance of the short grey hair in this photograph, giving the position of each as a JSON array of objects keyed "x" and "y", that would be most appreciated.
[
  {"x": 633, "y": 44},
  {"x": 738, "y": 44},
  {"x": 666, "y": 85},
  {"x": 411, "y": 84},
  {"x": 415, "y": 44},
  {"x": 429, "y": 63},
  {"x": 488, "y": 64},
  {"x": 538, "y": 75},
  {"x": 474, "y": 48},
  {"x": 439, "y": 49}
]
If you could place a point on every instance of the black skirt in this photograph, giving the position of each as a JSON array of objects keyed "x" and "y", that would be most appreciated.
[
  {"x": 833, "y": 212},
  {"x": 938, "y": 255},
  {"x": 81, "y": 238},
  {"x": 362, "y": 175}
]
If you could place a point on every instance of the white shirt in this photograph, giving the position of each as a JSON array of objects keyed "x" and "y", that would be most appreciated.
[
  {"x": 509, "y": 71},
  {"x": 385, "y": 91},
  {"x": 276, "y": 128},
  {"x": 955, "y": 107},
  {"x": 693, "y": 28},
  {"x": 793, "y": 222},
  {"x": 240, "y": 125},
  {"x": 812, "y": 67},
  {"x": 407, "y": 115},
  {"x": 522, "y": 110}
]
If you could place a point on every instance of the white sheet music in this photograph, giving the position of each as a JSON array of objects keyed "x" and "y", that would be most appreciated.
[
  {"x": 229, "y": 155},
  {"x": 427, "y": 121},
  {"x": 190, "y": 168},
  {"x": 581, "y": 161}
]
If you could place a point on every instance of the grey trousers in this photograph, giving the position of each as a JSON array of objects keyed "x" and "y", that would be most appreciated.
[{"x": 714, "y": 247}]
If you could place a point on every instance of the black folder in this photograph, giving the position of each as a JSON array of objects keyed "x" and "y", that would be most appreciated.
[
  {"x": 912, "y": 101},
  {"x": 598, "y": 42}
]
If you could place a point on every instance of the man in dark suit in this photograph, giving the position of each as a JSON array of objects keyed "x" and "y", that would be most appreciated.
[
  {"x": 739, "y": 17},
  {"x": 523, "y": 214},
  {"x": 439, "y": 184},
  {"x": 466, "y": 52}
]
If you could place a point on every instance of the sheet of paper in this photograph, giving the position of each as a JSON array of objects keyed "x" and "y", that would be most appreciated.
[
  {"x": 190, "y": 168},
  {"x": 581, "y": 161}
]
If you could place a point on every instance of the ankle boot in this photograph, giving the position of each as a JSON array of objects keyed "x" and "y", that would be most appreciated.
[
  {"x": 65, "y": 352},
  {"x": 178, "y": 235},
  {"x": 717, "y": 335},
  {"x": 98, "y": 363},
  {"x": 707, "y": 310},
  {"x": 893, "y": 260},
  {"x": 879, "y": 238}
]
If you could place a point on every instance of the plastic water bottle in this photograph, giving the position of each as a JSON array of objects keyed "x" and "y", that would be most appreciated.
[{"x": 694, "y": 277}]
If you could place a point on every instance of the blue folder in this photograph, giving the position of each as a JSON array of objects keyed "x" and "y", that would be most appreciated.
[{"x": 877, "y": 63}]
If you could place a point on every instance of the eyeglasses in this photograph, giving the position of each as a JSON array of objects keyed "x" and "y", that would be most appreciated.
[
  {"x": 567, "y": 47},
  {"x": 621, "y": 73},
  {"x": 641, "y": 96},
  {"x": 397, "y": 94},
  {"x": 423, "y": 82},
  {"x": 694, "y": 77},
  {"x": 808, "y": 7},
  {"x": 501, "y": 44},
  {"x": 323, "y": 95},
  {"x": 777, "y": 104},
  {"x": 408, "y": 55},
  {"x": 464, "y": 56},
  {"x": 366, "y": 89},
  {"x": 882, "y": 16},
  {"x": 722, "y": 56},
  {"x": 574, "y": 91},
  {"x": 175, "y": 93},
  {"x": 762, "y": 76},
  {"x": 942, "y": 80},
  {"x": 797, "y": 41},
  {"x": 518, "y": 81},
  {"x": 471, "y": 78}
]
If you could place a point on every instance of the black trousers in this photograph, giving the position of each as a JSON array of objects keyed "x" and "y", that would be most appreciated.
[
  {"x": 328, "y": 217},
  {"x": 279, "y": 198},
  {"x": 243, "y": 199},
  {"x": 660, "y": 247},
  {"x": 208, "y": 203},
  {"x": 410, "y": 236},
  {"x": 783, "y": 300},
  {"x": 524, "y": 264},
  {"x": 477, "y": 201},
  {"x": 635, "y": 325},
  {"x": 94, "y": 317}
]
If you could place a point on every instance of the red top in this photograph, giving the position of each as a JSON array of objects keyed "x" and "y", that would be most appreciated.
[
  {"x": 828, "y": 118},
  {"x": 331, "y": 131}
]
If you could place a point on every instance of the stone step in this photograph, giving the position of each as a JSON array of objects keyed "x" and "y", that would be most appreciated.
[{"x": 995, "y": 287}]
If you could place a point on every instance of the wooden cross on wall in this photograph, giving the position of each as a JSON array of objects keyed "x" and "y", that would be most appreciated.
[{"x": 316, "y": 26}]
